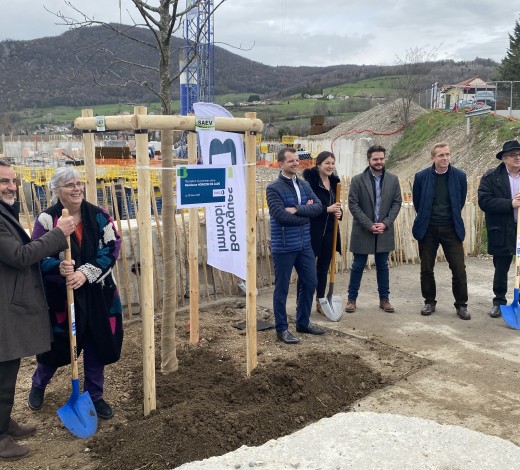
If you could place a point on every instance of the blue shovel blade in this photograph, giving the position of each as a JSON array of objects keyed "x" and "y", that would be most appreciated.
[
  {"x": 511, "y": 313},
  {"x": 78, "y": 414}
]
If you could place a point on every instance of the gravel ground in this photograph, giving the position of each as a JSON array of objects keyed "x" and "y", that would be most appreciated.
[{"x": 372, "y": 441}]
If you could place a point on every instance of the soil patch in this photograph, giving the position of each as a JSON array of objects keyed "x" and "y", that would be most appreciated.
[{"x": 209, "y": 407}]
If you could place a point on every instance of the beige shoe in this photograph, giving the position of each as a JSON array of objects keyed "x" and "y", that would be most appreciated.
[
  {"x": 10, "y": 450},
  {"x": 351, "y": 306},
  {"x": 386, "y": 305},
  {"x": 319, "y": 309}
]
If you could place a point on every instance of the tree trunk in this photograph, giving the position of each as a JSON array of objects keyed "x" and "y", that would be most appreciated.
[{"x": 169, "y": 361}]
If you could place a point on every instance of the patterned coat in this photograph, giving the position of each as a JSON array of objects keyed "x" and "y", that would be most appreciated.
[
  {"x": 97, "y": 304},
  {"x": 25, "y": 329}
]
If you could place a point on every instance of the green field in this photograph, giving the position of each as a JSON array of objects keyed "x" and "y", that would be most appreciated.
[
  {"x": 292, "y": 113},
  {"x": 382, "y": 87}
]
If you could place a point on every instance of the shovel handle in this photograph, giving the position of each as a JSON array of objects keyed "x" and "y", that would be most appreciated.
[
  {"x": 335, "y": 237},
  {"x": 71, "y": 313}
]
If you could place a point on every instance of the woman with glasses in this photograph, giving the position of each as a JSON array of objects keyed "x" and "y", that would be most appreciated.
[{"x": 95, "y": 246}]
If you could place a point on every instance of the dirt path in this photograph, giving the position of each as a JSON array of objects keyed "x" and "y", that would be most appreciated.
[
  {"x": 440, "y": 368},
  {"x": 474, "y": 378}
]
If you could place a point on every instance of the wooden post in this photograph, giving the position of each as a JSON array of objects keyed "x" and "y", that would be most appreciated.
[
  {"x": 123, "y": 250},
  {"x": 251, "y": 334},
  {"x": 146, "y": 259},
  {"x": 21, "y": 192},
  {"x": 89, "y": 156},
  {"x": 193, "y": 250}
]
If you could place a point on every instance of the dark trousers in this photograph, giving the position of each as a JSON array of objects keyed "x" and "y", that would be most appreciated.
[
  {"x": 453, "y": 250},
  {"x": 383, "y": 275},
  {"x": 502, "y": 265},
  {"x": 8, "y": 374},
  {"x": 304, "y": 263},
  {"x": 322, "y": 271},
  {"x": 94, "y": 374}
]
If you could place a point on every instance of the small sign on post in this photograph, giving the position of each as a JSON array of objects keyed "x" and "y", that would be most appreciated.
[{"x": 201, "y": 185}]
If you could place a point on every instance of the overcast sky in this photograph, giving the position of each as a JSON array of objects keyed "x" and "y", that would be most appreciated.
[{"x": 314, "y": 32}]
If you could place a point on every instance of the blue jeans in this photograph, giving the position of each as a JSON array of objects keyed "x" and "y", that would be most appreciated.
[
  {"x": 383, "y": 275},
  {"x": 304, "y": 263}
]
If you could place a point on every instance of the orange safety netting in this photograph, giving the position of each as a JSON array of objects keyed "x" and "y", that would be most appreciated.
[{"x": 307, "y": 163}]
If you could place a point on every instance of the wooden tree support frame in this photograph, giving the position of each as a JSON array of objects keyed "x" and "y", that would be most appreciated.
[{"x": 141, "y": 122}]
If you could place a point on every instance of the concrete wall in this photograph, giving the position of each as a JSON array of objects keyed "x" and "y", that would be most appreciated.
[{"x": 351, "y": 154}]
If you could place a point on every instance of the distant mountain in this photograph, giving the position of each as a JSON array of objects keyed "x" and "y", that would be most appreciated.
[{"x": 47, "y": 72}]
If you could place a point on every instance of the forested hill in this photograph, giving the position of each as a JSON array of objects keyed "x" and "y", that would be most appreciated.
[{"x": 46, "y": 71}]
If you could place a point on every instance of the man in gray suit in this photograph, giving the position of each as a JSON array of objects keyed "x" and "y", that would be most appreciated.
[
  {"x": 25, "y": 328},
  {"x": 374, "y": 201}
]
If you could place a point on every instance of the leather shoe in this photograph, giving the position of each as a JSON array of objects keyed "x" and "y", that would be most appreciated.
[
  {"x": 10, "y": 450},
  {"x": 287, "y": 337},
  {"x": 103, "y": 409},
  {"x": 36, "y": 396},
  {"x": 386, "y": 305},
  {"x": 19, "y": 431},
  {"x": 310, "y": 329},
  {"x": 351, "y": 306},
  {"x": 463, "y": 313},
  {"x": 428, "y": 309},
  {"x": 495, "y": 312}
]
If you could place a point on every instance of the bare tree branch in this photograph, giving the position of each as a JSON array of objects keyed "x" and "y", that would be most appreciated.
[{"x": 412, "y": 72}]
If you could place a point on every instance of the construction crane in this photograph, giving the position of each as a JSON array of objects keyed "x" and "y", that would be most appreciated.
[{"x": 196, "y": 60}]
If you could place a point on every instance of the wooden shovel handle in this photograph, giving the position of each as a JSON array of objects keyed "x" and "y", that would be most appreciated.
[
  {"x": 335, "y": 237},
  {"x": 71, "y": 312}
]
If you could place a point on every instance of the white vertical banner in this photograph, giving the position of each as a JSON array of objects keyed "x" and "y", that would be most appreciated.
[{"x": 225, "y": 223}]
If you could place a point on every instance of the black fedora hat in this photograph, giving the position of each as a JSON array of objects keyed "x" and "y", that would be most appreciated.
[{"x": 507, "y": 147}]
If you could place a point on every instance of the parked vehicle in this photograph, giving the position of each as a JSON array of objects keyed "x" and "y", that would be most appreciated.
[{"x": 486, "y": 98}]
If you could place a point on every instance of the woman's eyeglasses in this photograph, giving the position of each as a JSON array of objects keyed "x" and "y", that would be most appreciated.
[{"x": 77, "y": 184}]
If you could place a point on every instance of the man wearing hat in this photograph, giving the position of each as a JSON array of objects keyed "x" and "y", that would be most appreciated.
[{"x": 498, "y": 197}]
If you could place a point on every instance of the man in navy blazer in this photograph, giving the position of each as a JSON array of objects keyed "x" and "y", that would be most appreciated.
[{"x": 439, "y": 194}]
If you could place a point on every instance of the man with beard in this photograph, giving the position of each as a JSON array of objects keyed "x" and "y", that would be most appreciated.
[
  {"x": 25, "y": 328},
  {"x": 439, "y": 194},
  {"x": 374, "y": 201}
]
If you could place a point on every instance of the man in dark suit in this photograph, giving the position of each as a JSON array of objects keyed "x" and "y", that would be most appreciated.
[
  {"x": 24, "y": 322},
  {"x": 499, "y": 198},
  {"x": 439, "y": 194},
  {"x": 374, "y": 200}
]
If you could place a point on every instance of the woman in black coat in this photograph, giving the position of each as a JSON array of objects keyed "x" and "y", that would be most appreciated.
[{"x": 324, "y": 182}]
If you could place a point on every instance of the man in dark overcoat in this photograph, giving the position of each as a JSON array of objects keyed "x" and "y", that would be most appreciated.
[
  {"x": 374, "y": 201},
  {"x": 499, "y": 198},
  {"x": 25, "y": 328}
]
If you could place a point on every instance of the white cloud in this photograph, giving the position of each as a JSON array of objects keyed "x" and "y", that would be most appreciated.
[{"x": 309, "y": 32}]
